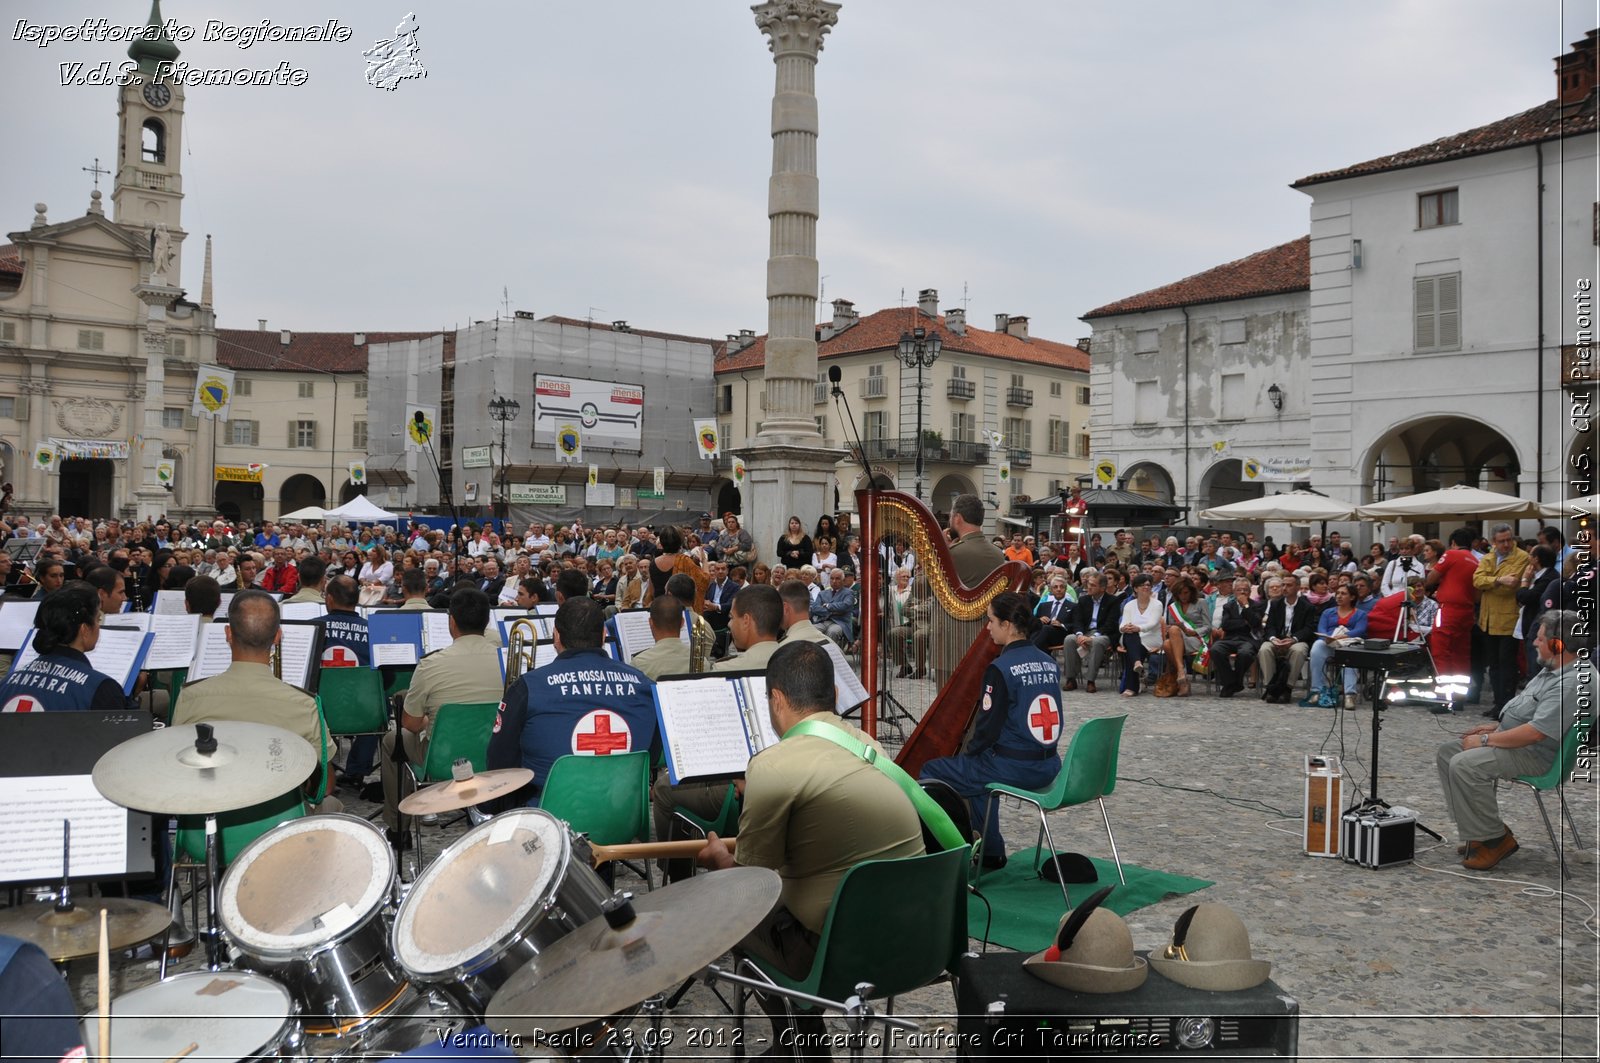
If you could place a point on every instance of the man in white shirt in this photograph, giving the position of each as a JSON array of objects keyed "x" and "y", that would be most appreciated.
[{"x": 1396, "y": 572}]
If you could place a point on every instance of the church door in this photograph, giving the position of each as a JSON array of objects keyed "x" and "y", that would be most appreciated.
[{"x": 86, "y": 487}]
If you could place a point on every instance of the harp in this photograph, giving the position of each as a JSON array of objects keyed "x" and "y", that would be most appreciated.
[{"x": 957, "y": 646}]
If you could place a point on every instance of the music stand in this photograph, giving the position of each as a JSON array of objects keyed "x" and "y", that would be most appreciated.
[{"x": 1378, "y": 661}]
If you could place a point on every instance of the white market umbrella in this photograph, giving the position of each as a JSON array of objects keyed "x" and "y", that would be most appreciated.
[
  {"x": 1572, "y": 508},
  {"x": 1294, "y": 507},
  {"x": 359, "y": 509},
  {"x": 1466, "y": 503},
  {"x": 308, "y": 513}
]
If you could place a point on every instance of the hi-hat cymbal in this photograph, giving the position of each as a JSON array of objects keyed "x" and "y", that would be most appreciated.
[
  {"x": 69, "y": 935},
  {"x": 163, "y": 771},
  {"x": 595, "y": 971},
  {"x": 451, "y": 795}
]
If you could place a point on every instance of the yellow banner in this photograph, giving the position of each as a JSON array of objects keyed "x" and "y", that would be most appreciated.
[{"x": 244, "y": 474}]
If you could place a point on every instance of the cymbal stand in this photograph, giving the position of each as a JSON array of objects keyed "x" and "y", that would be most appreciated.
[
  {"x": 858, "y": 1010},
  {"x": 212, "y": 932}
]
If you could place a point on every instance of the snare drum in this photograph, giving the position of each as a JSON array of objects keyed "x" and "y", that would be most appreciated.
[
  {"x": 304, "y": 903},
  {"x": 492, "y": 901},
  {"x": 228, "y": 1014}
]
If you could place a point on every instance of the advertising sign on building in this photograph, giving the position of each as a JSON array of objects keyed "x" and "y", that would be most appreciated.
[
  {"x": 609, "y": 415},
  {"x": 539, "y": 494}
]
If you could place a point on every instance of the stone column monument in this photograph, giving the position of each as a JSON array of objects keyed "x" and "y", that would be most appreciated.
[{"x": 788, "y": 469}]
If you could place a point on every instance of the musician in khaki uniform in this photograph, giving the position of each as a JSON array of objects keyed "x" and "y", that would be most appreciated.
[
  {"x": 797, "y": 625},
  {"x": 313, "y": 578},
  {"x": 670, "y": 654},
  {"x": 465, "y": 672},
  {"x": 248, "y": 690},
  {"x": 974, "y": 558}
]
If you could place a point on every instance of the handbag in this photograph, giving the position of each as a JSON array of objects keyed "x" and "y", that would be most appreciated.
[{"x": 1167, "y": 685}]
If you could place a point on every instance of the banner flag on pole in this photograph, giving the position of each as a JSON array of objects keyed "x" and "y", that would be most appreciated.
[
  {"x": 738, "y": 472},
  {"x": 165, "y": 470},
  {"x": 1005, "y": 472},
  {"x": 44, "y": 457},
  {"x": 569, "y": 444},
  {"x": 358, "y": 472},
  {"x": 594, "y": 475},
  {"x": 707, "y": 440},
  {"x": 420, "y": 433},
  {"x": 660, "y": 484},
  {"x": 213, "y": 392}
]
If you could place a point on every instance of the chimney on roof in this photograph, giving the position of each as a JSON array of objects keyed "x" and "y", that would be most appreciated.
[
  {"x": 1575, "y": 71},
  {"x": 1083, "y": 343},
  {"x": 361, "y": 339},
  {"x": 261, "y": 324},
  {"x": 955, "y": 319},
  {"x": 747, "y": 336},
  {"x": 285, "y": 336},
  {"x": 1016, "y": 325},
  {"x": 620, "y": 326},
  {"x": 844, "y": 314},
  {"x": 1001, "y": 321},
  {"x": 928, "y": 301}
]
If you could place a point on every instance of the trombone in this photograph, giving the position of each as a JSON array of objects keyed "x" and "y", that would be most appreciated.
[{"x": 522, "y": 641}]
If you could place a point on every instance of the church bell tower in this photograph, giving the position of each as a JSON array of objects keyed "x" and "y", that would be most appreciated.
[{"x": 149, "y": 178}]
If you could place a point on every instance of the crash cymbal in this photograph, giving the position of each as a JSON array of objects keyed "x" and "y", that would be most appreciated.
[
  {"x": 165, "y": 771},
  {"x": 69, "y": 935},
  {"x": 451, "y": 795},
  {"x": 595, "y": 971}
]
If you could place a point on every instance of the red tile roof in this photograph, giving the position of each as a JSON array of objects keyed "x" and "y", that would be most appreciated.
[
  {"x": 10, "y": 259},
  {"x": 329, "y": 352},
  {"x": 579, "y": 322},
  {"x": 1548, "y": 121},
  {"x": 881, "y": 331},
  {"x": 1285, "y": 268}
]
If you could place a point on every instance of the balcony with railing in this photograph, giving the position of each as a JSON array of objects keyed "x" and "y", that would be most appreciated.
[
  {"x": 958, "y": 388},
  {"x": 875, "y": 387},
  {"x": 1021, "y": 397},
  {"x": 1020, "y": 456},
  {"x": 933, "y": 449}
]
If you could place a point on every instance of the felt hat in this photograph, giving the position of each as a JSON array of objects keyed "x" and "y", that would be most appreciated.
[
  {"x": 1210, "y": 949},
  {"x": 1093, "y": 952},
  {"x": 1069, "y": 867}
]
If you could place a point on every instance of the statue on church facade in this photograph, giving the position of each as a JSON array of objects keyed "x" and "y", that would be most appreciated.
[{"x": 162, "y": 252}]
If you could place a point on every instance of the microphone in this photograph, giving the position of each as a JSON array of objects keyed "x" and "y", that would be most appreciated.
[
  {"x": 849, "y": 419},
  {"x": 422, "y": 424},
  {"x": 834, "y": 374}
]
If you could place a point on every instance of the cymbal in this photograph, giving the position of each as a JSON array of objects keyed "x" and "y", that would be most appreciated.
[
  {"x": 163, "y": 772},
  {"x": 595, "y": 971},
  {"x": 68, "y": 935},
  {"x": 449, "y": 796}
]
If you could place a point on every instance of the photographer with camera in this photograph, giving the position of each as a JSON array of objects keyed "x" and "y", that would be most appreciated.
[{"x": 1402, "y": 568}]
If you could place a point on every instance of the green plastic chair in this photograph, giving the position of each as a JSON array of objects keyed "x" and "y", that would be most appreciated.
[
  {"x": 399, "y": 679},
  {"x": 606, "y": 798},
  {"x": 175, "y": 680},
  {"x": 1088, "y": 773},
  {"x": 725, "y": 822},
  {"x": 353, "y": 701},
  {"x": 1560, "y": 771},
  {"x": 897, "y": 924},
  {"x": 237, "y": 829},
  {"x": 460, "y": 731}
]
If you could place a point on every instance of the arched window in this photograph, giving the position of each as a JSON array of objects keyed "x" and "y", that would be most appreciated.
[{"x": 155, "y": 140}]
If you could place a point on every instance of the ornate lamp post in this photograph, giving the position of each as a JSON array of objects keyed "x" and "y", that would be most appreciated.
[
  {"x": 919, "y": 351},
  {"x": 505, "y": 411}
]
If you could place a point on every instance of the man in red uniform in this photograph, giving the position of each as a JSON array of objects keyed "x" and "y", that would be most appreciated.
[{"x": 1451, "y": 584}]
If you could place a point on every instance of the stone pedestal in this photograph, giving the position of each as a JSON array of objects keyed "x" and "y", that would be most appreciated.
[{"x": 783, "y": 481}]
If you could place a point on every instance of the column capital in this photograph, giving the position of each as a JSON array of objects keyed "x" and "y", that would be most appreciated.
[{"x": 795, "y": 25}]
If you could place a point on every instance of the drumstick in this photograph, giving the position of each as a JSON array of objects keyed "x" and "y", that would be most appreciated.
[
  {"x": 105, "y": 990},
  {"x": 192, "y": 1046},
  {"x": 601, "y": 854}
]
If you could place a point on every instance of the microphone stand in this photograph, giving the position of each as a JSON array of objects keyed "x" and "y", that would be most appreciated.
[
  {"x": 449, "y": 501},
  {"x": 888, "y": 707}
]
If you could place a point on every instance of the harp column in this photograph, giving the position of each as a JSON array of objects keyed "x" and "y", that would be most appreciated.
[{"x": 789, "y": 471}]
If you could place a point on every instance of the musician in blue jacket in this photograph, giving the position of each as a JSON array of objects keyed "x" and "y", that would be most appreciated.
[
  {"x": 66, "y": 628},
  {"x": 582, "y": 702},
  {"x": 1018, "y": 727}
]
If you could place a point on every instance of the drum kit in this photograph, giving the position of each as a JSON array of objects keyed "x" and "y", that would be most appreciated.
[{"x": 316, "y": 950}]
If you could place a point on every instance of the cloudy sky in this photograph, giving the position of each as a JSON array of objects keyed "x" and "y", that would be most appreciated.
[{"x": 609, "y": 158}]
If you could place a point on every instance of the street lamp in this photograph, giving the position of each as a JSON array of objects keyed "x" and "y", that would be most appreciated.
[
  {"x": 919, "y": 351},
  {"x": 505, "y": 411}
]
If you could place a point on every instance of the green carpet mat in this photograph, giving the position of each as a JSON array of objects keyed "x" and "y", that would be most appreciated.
[{"x": 1027, "y": 909}]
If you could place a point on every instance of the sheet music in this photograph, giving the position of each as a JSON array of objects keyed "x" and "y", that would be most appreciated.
[
  {"x": 395, "y": 637},
  {"x": 633, "y": 632},
  {"x": 703, "y": 727},
  {"x": 302, "y": 610},
  {"x": 169, "y": 603},
  {"x": 222, "y": 608},
  {"x": 758, "y": 719},
  {"x": 298, "y": 654},
  {"x": 544, "y": 653},
  {"x": 30, "y": 846},
  {"x": 393, "y": 654},
  {"x": 16, "y": 620},
  {"x": 138, "y": 621},
  {"x": 118, "y": 653},
  {"x": 175, "y": 640},
  {"x": 545, "y": 609},
  {"x": 849, "y": 691},
  {"x": 212, "y": 655},
  {"x": 435, "y": 631}
]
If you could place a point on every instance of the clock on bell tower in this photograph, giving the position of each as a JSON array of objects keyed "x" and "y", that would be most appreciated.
[{"x": 149, "y": 178}]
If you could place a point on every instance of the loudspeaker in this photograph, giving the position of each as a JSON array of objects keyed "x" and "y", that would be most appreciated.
[
  {"x": 1324, "y": 797},
  {"x": 1007, "y": 1013}
]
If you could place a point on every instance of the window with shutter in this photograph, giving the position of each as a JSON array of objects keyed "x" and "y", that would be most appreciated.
[
  {"x": 241, "y": 387},
  {"x": 8, "y": 331},
  {"x": 1437, "y": 312},
  {"x": 8, "y": 406},
  {"x": 291, "y": 434},
  {"x": 358, "y": 436}
]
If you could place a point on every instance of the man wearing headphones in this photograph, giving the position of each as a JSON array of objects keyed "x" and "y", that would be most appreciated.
[{"x": 1525, "y": 741}]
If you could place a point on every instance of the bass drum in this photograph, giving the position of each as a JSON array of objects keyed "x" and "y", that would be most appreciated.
[
  {"x": 304, "y": 903},
  {"x": 492, "y": 901},
  {"x": 228, "y": 1014}
]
